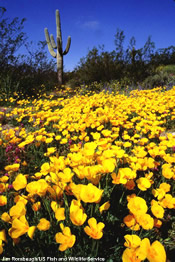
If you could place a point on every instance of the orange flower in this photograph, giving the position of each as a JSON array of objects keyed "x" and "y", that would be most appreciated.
[
  {"x": 137, "y": 205},
  {"x": 94, "y": 230},
  {"x": 124, "y": 174},
  {"x": 36, "y": 206},
  {"x": 19, "y": 227},
  {"x": 143, "y": 183},
  {"x": 5, "y": 217},
  {"x": 130, "y": 184},
  {"x": 37, "y": 187},
  {"x": 45, "y": 169},
  {"x": 3, "y": 200},
  {"x": 89, "y": 149},
  {"x": 22, "y": 198},
  {"x": 138, "y": 251},
  {"x": 157, "y": 223},
  {"x": 43, "y": 225},
  {"x": 66, "y": 175},
  {"x": 132, "y": 241},
  {"x": 66, "y": 239},
  {"x": 20, "y": 182},
  {"x": 165, "y": 187},
  {"x": 156, "y": 209},
  {"x": 104, "y": 207},
  {"x": 156, "y": 252},
  {"x": 18, "y": 210},
  {"x": 2, "y": 187},
  {"x": 77, "y": 215},
  {"x": 167, "y": 172},
  {"x": 168, "y": 201},
  {"x": 129, "y": 255},
  {"x": 13, "y": 167},
  {"x": 4, "y": 179},
  {"x": 145, "y": 221},
  {"x": 2, "y": 238},
  {"x": 109, "y": 165},
  {"x": 59, "y": 213},
  {"x": 131, "y": 222},
  {"x": 90, "y": 193}
]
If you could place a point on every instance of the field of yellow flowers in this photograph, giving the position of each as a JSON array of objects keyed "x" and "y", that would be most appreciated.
[{"x": 89, "y": 176}]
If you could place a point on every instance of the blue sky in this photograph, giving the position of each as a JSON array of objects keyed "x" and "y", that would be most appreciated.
[{"x": 94, "y": 22}]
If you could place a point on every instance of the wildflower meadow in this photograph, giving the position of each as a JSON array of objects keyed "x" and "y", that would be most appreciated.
[{"x": 89, "y": 175}]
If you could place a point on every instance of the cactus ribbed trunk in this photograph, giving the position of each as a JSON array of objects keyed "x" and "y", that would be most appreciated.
[
  {"x": 58, "y": 46},
  {"x": 60, "y": 69},
  {"x": 59, "y": 49}
]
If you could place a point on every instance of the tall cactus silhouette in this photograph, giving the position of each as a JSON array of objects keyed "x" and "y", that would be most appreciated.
[{"x": 58, "y": 46}]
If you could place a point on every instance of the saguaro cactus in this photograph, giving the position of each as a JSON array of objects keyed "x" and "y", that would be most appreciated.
[{"x": 58, "y": 46}]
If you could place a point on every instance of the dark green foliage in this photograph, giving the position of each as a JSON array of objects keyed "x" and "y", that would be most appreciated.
[
  {"x": 98, "y": 65},
  {"x": 25, "y": 75},
  {"x": 36, "y": 71},
  {"x": 163, "y": 76},
  {"x": 11, "y": 39},
  {"x": 129, "y": 66}
]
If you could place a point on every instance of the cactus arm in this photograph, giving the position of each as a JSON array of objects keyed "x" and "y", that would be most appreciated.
[
  {"x": 49, "y": 43},
  {"x": 67, "y": 46},
  {"x": 53, "y": 42},
  {"x": 58, "y": 25}
]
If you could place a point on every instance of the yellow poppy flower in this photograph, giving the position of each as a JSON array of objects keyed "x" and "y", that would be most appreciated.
[
  {"x": 20, "y": 182},
  {"x": 66, "y": 175},
  {"x": 109, "y": 165},
  {"x": 129, "y": 255},
  {"x": 137, "y": 205},
  {"x": 164, "y": 186},
  {"x": 50, "y": 151},
  {"x": 143, "y": 183},
  {"x": 49, "y": 140},
  {"x": 23, "y": 199},
  {"x": 5, "y": 217},
  {"x": 3, "y": 235},
  {"x": 90, "y": 193},
  {"x": 13, "y": 167},
  {"x": 157, "y": 223},
  {"x": 37, "y": 187},
  {"x": 167, "y": 172},
  {"x": 54, "y": 205},
  {"x": 156, "y": 209},
  {"x": 59, "y": 213},
  {"x": 77, "y": 215},
  {"x": 65, "y": 239},
  {"x": 43, "y": 225},
  {"x": 104, "y": 207},
  {"x": 2, "y": 238},
  {"x": 132, "y": 241},
  {"x": 4, "y": 179},
  {"x": 94, "y": 230},
  {"x": 18, "y": 210},
  {"x": 3, "y": 200},
  {"x": 45, "y": 169},
  {"x": 156, "y": 252},
  {"x": 168, "y": 201},
  {"x": 19, "y": 227},
  {"x": 130, "y": 221},
  {"x": 145, "y": 221}
]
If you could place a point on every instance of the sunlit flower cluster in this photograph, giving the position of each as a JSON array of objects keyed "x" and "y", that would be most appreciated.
[{"x": 64, "y": 161}]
